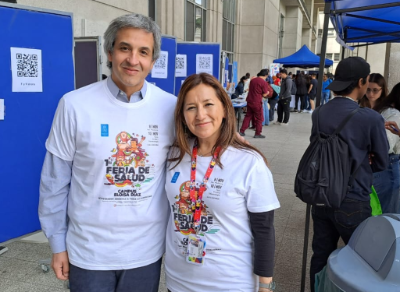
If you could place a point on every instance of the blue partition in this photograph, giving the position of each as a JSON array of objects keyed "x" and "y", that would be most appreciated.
[
  {"x": 28, "y": 115},
  {"x": 191, "y": 50},
  {"x": 168, "y": 44}
]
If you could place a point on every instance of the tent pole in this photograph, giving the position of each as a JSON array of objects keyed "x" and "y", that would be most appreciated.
[{"x": 323, "y": 52}]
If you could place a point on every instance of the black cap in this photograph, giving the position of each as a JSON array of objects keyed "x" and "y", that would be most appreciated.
[{"x": 347, "y": 71}]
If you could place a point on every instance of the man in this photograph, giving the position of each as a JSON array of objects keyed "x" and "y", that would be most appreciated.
[
  {"x": 258, "y": 89},
  {"x": 312, "y": 91},
  {"x": 102, "y": 204},
  {"x": 366, "y": 142},
  {"x": 269, "y": 78},
  {"x": 285, "y": 97},
  {"x": 325, "y": 91}
]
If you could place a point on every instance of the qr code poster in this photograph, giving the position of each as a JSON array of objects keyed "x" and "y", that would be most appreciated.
[
  {"x": 181, "y": 66},
  {"x": 26, "y": 67},
  {"x": 204, "y": 63},
  {"x": 160, "y": 68}
]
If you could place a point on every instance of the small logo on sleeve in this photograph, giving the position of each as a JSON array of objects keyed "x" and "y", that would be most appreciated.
[
  {"x": 104, "y": 130},
  {"x": 175, "y": 177}
]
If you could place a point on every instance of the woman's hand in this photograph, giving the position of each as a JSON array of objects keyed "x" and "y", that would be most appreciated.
[
  {"x": 392, "y": 127},
  {"x": 265, "y": 280}
]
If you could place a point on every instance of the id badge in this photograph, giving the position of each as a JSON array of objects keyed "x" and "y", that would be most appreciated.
[{"x": 195, "y": 250}]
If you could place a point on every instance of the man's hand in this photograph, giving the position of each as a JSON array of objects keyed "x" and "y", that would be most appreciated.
[
  {"x": 392, "y": 127},
  {"x": 60, "y": 265}
]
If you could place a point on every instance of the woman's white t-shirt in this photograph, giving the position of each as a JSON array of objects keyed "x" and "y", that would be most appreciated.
[{"x": 244, "y": 184}]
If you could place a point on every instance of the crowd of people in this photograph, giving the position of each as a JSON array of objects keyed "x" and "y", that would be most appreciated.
[{"x": 114, "y": 201}]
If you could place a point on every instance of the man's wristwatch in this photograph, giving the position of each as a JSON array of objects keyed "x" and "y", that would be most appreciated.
[{"x": 271, "y": 286}]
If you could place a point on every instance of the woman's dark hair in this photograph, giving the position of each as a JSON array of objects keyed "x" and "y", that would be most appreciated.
[
  {"x": 243, "y": 79},
  {"x": 228, "y": 136},
  {"x": 380, "y": 80},
  {"x": 392, "y": 100},
  {"x": 349, "y": 88}
]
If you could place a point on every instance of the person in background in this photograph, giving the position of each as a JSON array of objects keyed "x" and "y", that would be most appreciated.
[
  {"x": 325, "y": 92},
  {"x": 376, "y": 93},
  {"x": 269, "y": 78},
  {"x": 239, "y": 90},
  {"x": 277, "y": 80},
  {"x": 285, "y": 97},
  {"x": 365, "y": 135},
  {"x": 273, "y": 101},
  {"x": 201, "y": 253},
  {"x": 258, "y": 89},
  {"x": 301, "y": 91},
  {"x": 312, "y": 91},
  {"x": 387, "y": 182},
  {"x": 266, "y": 104}
]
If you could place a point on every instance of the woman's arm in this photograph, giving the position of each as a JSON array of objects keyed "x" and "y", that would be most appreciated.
[{"x": 262, "y": 228}]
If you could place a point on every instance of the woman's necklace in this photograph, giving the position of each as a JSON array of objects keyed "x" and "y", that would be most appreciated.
[{"x": 205, "y": 154}]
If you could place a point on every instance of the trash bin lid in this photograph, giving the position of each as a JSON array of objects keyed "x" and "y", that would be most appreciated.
[{"x": 371, "y": 260}]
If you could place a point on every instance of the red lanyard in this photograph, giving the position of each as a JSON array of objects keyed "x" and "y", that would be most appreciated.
[{"x": 196, "y": 204}]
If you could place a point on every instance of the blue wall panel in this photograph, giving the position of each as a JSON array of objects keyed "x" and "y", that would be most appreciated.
[
  {"x": 29, "y": 115},
  {"x": 191, "y": 50}
]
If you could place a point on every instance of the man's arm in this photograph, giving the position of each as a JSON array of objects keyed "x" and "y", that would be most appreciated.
[
  {"x": 309, "y": 90},
  {"x": 53, "y": 204}
]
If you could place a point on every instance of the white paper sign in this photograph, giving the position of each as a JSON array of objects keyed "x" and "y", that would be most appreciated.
[
  {"x": 160, "y": 68},
  {"x": 2, "y": 109},
  {"x": 204, "y": 63},
  {"x": 181, "y": 66},
  {"x": 26, "y": 68}
]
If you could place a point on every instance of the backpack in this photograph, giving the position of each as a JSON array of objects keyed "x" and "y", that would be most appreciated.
[
  {"x": 324, "y": 175},
  {"x": 293, "y": 91}
]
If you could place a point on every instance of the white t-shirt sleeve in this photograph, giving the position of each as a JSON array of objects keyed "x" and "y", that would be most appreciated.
[
  {"x": 261, "y": 196},
  {"x": 61, "y": 140}
]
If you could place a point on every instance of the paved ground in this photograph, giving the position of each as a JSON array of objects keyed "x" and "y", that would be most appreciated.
[{"x": 283, "y": 147}]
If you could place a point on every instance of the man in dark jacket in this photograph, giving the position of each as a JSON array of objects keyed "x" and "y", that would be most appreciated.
[
  {"x": 285, "y": 97},
  {"x": 368, "y": 147},
  {"x": 301, "y": 92}
]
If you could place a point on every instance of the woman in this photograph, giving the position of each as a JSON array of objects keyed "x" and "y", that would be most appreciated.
[
  {"x": 387, "y": 182},
  {"x": 214, "y": 237},
  {"x": 376, "y": 91},
  {"x": 239, "y": 90},
  {"x": 301, "y": 85}
]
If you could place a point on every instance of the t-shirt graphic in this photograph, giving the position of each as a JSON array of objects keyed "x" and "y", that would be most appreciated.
[
  {"x": 128, "y": 165},
  {"x": 183, "y": 213}
]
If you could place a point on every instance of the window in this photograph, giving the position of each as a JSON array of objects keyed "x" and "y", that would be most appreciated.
[
  {"x": 336, "y": 57},
  {"x": 152, "y": 9},
  {"x": 195, "y": 20},
  {"x": 329, "y": 56},
  {"x": 228, "y": 27}
]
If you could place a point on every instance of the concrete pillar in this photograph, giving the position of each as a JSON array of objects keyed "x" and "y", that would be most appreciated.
[
  {"x": 307, "y": 37},
  {"x": 170, "y": 16},
  {"x": 292, "y": 39},
  {"x": 394, "y": 65},
  {"x": 256, "y": 34}
]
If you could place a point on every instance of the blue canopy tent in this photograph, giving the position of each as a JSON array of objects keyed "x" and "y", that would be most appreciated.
[
  {"x": 303, "y": 58},
  {"x": 365, "y": 22}
]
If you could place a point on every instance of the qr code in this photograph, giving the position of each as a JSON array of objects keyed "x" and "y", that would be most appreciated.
[
  {"x": 161, "y": 62},
  {"x": 180, "y": 63},
  {"x": 204, "y": 62},
  {"x": 27, "y": 65}
]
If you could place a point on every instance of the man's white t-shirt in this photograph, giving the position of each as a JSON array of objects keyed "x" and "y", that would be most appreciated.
[
  {"x": 116, "y": 204},
  {"x": 244, "y": 184}
]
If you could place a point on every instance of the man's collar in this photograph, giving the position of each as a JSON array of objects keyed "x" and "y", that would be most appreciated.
[{"x": 115, "y": 91}]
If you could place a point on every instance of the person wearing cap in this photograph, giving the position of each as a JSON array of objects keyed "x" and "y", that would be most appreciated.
[{"x": 368, "y": 152}]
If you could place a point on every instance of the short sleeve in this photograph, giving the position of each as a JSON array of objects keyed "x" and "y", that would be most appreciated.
[
  {"x": 61, "y": 140},
  {"x": 261, "y": 196}
]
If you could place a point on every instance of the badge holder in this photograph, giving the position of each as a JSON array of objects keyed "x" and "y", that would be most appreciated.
[{"x": 196, "y": 249}]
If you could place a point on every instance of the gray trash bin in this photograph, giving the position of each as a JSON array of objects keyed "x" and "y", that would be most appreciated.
[{"x": 371, "y": 260}]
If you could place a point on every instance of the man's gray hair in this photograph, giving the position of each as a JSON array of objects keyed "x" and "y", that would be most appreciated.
[{"x": 133, "y": 21}]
